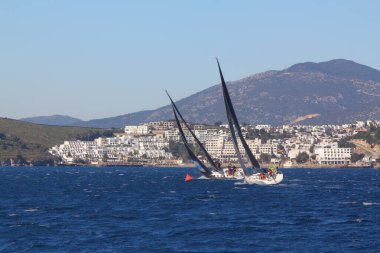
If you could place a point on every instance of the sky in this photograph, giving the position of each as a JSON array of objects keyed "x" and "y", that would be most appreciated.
[{"x": 96, "y": 59}]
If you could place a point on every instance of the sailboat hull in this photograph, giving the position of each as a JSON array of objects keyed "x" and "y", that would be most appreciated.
[
  {"x": 268, "y": 180},
  {"x": 238, "y": 175}
]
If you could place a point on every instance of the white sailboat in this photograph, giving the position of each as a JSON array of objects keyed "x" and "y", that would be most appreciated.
[{"x": 259, "y": 176}]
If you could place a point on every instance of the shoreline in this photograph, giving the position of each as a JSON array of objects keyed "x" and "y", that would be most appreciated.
[{"x": 192, "y": 166}]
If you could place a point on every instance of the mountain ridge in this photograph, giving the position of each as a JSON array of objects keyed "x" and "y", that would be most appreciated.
[
  {"x": 341, "y": 91},
  {"x": 56, "y": 119}
]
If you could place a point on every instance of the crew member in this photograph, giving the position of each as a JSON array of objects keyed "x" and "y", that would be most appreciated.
[{"x": 234, "y": 170}]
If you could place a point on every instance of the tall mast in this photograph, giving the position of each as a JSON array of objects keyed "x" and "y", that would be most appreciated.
[{"x": 234, "y": 125}]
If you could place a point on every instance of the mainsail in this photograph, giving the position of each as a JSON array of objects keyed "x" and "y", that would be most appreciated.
[
  {"x": 234, "y": 126},
  {"x": 203, "y": 168},
  {"x": 207, "y": 155}
]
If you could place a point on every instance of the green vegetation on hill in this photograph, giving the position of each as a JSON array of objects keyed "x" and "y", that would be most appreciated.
[
  {"x": 264, "y": 136},
  {"x": 372, "y": 136},
  {"x": 29, "y": 143}
]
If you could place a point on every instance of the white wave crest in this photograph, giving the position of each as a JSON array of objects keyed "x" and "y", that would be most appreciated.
[{"x": 371, "y": 203}]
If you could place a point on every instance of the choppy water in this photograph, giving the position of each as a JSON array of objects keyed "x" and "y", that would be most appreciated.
[{"x": 154, "y": 210}]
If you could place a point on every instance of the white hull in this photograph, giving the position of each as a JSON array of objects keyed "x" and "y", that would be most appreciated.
[
  {"x": 217, "y": 175},
  {"x": 239, "y": 174},
  {"x": 255, "y": 179}
]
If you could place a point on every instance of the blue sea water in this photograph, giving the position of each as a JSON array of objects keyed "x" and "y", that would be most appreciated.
[{"x": 83, "y": 209}]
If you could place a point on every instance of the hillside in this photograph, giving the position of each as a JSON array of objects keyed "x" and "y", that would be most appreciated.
[
  {"x": 58, "y": 120},
  {"x": 31, "y": 141},
  {"x": 339, "y": 91}
]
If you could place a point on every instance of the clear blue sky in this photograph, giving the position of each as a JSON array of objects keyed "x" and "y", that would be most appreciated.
[{"x": 95, "y": 59}]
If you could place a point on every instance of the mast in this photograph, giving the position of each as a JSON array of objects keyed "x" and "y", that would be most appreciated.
[
  {"x": 204, "y": 170},
  {"x": 207, "y": 155},
  {"x": 231, "y": 115},
  {"x": 233, "y": 136}
]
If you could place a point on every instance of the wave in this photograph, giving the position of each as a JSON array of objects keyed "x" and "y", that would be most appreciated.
[
  {"x": 334, "y": 187},
  {"x": 371, "y": 203},
  {"x": 295, "y": 180},
  {"x": 240, "y": 183},
  {"x": 287, "y": 185},
  {"x": 240, "y": 188},
  {"x": 358, "y": 220},
  {"x": 347, "y": 202}
]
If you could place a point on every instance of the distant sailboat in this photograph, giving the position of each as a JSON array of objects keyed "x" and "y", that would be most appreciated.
[
  {"x": 258, "y": 176},
  {"x": 215, "y": 170}
]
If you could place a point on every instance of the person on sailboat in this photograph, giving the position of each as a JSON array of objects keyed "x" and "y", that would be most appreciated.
[
  {"x": 272, "y": 171},
  {"x": 234, "y": 171},
  {"x": 229, "y": 170}
]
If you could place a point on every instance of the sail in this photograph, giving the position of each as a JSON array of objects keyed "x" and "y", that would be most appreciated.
[
  {"x": 234, "y": 140},
  {"x": 207, "y": 155},
  {"x": 204, "y": 170},
  {"x": 231, "y": 115}
]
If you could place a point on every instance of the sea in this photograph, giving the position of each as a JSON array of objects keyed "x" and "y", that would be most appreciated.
[{"x": 117, "y": 209}]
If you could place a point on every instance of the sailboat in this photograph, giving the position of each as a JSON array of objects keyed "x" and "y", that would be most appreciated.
[
  {"x": 215, "y": 170},
  {"x": 256, "y": 175}
]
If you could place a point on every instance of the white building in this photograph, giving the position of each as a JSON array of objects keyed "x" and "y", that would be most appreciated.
[
  {"x": 136, "y": 130},
  {"x": 265, "y": 127},
  {"x": 162, "y": 125},
  {"x": 116, "y": 149},
  {"x": 332, "y": 154}
]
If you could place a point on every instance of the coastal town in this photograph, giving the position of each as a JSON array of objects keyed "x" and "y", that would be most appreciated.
[{"x": 159, "y": 144}]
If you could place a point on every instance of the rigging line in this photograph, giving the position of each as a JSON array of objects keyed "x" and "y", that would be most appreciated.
[{"x": 206, "y": 171}]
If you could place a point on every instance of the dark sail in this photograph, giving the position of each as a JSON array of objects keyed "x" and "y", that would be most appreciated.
[
  {"x": 207, "y": 155},
  {"x": 234, "y": 140},
  {"x": 232, "y": 117},
  {"x": 204, "y": 170}
]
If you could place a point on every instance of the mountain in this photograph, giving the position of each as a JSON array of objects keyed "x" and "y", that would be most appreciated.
[
  {"x": 59, "y": 120},
  {"x": 338, "y": 91}
]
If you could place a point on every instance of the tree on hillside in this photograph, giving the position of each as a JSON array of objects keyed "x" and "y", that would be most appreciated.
[
  {"x": 372, "y": 136},
  {"x": 265, "y": 158},
  {"x": 302, "y": 157},
  {"x": 178, "y": 150},
  {"x": 92, "y": 135},
  {"x": 356, "y": 157},
  {"x": 20, "y": 159},
  {"x": 105, "y": 158},
  {"x": 79, "y": 161},
  {"x": 345, "y": 143}
]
